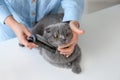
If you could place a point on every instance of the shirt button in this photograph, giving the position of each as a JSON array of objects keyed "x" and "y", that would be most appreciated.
[
  {"x": 33, "y": 13},
  {"x": 33, "y": 1},
  {"x": 33, "y": 23}
]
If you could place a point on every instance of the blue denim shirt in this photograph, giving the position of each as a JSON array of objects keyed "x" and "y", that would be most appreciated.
[{"x": 30, "y": 11}]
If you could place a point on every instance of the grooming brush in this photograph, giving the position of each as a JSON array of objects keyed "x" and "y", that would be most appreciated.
[{"x": 40, "y": 41}]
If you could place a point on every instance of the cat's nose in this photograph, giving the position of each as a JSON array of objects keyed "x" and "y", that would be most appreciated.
[{"x": 64, "y": 39}]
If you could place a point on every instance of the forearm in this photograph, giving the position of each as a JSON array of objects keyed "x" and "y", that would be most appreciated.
[{"x": 10, "y": 22}]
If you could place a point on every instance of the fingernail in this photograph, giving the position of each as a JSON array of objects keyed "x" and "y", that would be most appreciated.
[
  {"x": 82, "y": 31},
  {"x": 58, "y": 49},
  {"x": 67, "y": 56},
  {"x": 36, "y": 46},
  {"x": 61, "y": 53}
]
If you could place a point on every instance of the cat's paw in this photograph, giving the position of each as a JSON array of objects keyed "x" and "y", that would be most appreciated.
[{"x": 76, "y": 69}]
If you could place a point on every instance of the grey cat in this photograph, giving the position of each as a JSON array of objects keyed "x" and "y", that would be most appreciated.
[{"x": 57, "y": 33}]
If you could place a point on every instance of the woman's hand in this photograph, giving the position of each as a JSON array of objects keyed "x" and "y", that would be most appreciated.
[
  {"x": 68, "y": 48},
  {"x": 21, "y": 32}
]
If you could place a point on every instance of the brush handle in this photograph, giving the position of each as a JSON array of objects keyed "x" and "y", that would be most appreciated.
[
  {"x": 39, "y": 40},
  {"x": 32, "y": 38}
]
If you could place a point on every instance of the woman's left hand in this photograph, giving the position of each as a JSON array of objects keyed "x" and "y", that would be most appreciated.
[{"x": 67, "y": 49}]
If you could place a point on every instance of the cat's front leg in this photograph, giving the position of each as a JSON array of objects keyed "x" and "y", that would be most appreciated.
[
  {"x": 76, "y": 69},
  {"x": 76, "y": 66}
]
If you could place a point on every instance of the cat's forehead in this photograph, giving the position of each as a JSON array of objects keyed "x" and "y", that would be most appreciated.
[
  {"x": 58, "y": 25},
  {"x": 58, "y": 28}
]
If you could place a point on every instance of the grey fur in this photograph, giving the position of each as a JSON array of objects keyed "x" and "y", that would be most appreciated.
[{"x": 57, "y": 33}]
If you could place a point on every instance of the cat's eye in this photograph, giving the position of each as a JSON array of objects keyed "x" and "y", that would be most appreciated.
[
  {"x": 47, "y": 30},
  {"x": 56, "y": 36},
  {"x": 68, "y": 34}
]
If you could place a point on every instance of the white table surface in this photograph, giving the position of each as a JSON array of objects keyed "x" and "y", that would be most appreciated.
[{"x": 100, "y": 53}]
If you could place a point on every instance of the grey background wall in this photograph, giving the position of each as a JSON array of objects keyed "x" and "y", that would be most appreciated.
[{"x": 95, "y": 5}]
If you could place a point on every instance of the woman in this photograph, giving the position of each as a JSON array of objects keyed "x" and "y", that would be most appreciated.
[{"x": 18, "y": 16}]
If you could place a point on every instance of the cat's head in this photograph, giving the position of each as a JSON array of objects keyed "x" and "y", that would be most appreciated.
[{"x": 58, "y": 34}]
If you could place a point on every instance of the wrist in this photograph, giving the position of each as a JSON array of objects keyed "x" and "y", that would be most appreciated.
[
  {"x": 11, "y": 22},
  {"x": 74, "y": 23}
]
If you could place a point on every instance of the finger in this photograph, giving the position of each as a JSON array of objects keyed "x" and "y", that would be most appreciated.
[
  {"x": 74, "y": 38},
  {"x": 26, "y": 43},
  {"x": 72, "y": 42},
  {"x": 67, "y": 50},
  {"x": 64, "y": 46},
  {"x": 32, "y": 45},
  {"x": 66, "y": 54},
  {"x": 76, "y": 30},
  {"x": 27, "y": 33}
]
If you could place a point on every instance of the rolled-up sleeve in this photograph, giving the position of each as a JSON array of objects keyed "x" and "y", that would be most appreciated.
[
  {"x": 4, "y": 12},
  {"x": 73, "y": 9}
]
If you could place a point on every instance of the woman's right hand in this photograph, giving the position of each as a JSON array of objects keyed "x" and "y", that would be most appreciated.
[{"x": 21, "y": 32}]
